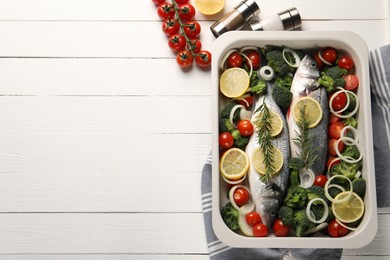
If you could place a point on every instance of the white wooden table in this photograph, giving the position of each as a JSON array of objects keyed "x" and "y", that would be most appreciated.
[{"x": 103, "y": 137}]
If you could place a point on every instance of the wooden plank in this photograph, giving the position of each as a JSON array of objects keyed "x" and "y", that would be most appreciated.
[
  {"x": 117, "y": 39},
  {"x": 113, "y": 114},
  {"x": 123, "y": 234},
  {"x": 158, "y": 77},
  {"x": 102, "y": 172},
  {"x": 122, "y": 10}
]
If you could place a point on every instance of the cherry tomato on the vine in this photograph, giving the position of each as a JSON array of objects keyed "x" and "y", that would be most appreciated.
[
  {"x": 241, "y": 196},
  {"x": 260, "y": 230},
  {"x": 203, "y": 59},
  {"x": 345, "y": 62},
  {"x": 329, "y": 55},
  {"x": 192, "y": 29},
  {"x": 157, "y": 2},
  {"x": 280, "y": 229},
  {"x": 254, "y": 57},
  {"x": 336, "y": 230},
  {"x": 194, "y": 45},
  {"x": 177, "y": 42},
  {"x": 184, "y": 59},
  {"x": 351, "y": 82},
  {"x": 252, "y": 218},
  {"x": 165, "y": 11},
  {"x": 186, "y": 11},
  {"x": 234, "y": 60},
  {"x": 182, "y": 1},
  {"x": 335, "y": 129},
  {"x": 170, "y": 27},
  {"x": 339, "y": 101},
  {"x": 320, "y": 180},
  {"x": 226, "y": 140},
  {"x": 245, "y": 127},
  {"x": 332, "y": 146}
]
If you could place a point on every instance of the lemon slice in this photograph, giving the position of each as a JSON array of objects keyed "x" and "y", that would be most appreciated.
[
  {"x": 209, "y": 7},
  {"x": 313, "y": 110},
  {"x": 234, "y": 82},
  {"x": 275, "y": 122},
  {"x": 234, "y": 164},
  {"x": 348, "y": 211},
  {"x": 258, "y": 158}
]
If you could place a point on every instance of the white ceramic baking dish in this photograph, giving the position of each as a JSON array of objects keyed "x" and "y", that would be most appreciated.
[{"x": 354, "y": 46}]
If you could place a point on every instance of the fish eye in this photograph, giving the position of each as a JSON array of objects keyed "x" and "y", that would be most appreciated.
[
  {"x": 272, "y": 212},
  {"x": 313, "y": 65}
]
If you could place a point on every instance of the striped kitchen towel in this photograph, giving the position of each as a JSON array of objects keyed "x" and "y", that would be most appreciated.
[{"x": 380, "y": 94}]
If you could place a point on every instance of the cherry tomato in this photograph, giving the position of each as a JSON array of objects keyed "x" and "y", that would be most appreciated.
[
  {"x": 158, "y": 2},
  {"x": 165, "y": 11},
  {"x": 335, "y": 129},
  {"x": 345, "y": 62},
  {"x": 280, "y": 229},
  {"x": 351, "y": 82},
  {"x": 329, "y": 55},
  {"x": 334, "y": 118},
  {"x": 194, "y": 45},
  {"x": 339, "y": 101},
  {"x": 177, "y": 42},
  {"x": 186, "y": 11},
  {"x": 170, "y": 27},
  {"x": 253, "y": 218},
  {"x": 331, "y": 146},
  {"x": 182, "y": 1},
  {"x": 248, "y": 101},
  {"x": 260, "y": 230},
  {"x": 336, "y": 230},
  {"x": 234, "y": 60},
  {"x": 192, "y": 29},
  {"x": 241, "y": 196},
  {"x": 254, "y": 57},
  {"x": 319, "y": 62},
  {"x": 332, "y": 161},
  {"x": 226, "y": 140},
  {"x": 203, "y": 59},
  {"x": 184, "y": 59},
  {"x": 320, "y": 180},
  {"x": 245, "y": 127}
]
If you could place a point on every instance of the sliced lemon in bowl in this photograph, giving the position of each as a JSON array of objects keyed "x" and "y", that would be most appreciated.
[
  {"x": 209, "y": 7},
  {"x": 258, "y": 160},
  {"x": 311, "y": 108},
  {"x": 234, "y": 82},
  {"x": 350, "y": 210},
  {"x": 234, "y": 164},
  {"x": 276, "y": 123}
]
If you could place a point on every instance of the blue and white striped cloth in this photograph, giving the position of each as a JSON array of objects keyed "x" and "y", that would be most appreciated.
[{"x": 380, "y": 90}]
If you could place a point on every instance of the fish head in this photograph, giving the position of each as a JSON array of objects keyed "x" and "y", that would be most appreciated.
[
  {"x": 270, "y": 203},
  {"x": 306, "y": 77}
]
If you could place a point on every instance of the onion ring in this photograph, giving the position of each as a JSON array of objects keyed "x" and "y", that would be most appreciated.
[
  {"x": 326, "y": 211},
  {"x": 264, "y": 75},
  {"x": 245, "y": 209},
  {"x": 296, "y": 57},
  {"x": 326, "y": 188}
]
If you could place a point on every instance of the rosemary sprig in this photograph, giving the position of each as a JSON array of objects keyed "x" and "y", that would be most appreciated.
[
  {"x": 304, "y": 140},
  {"x": 264, "y": 138}
]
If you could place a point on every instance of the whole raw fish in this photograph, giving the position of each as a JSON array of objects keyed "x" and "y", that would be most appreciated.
[
  {"x": 305, "y": 84},
  {"x": 268, "y": 196}
]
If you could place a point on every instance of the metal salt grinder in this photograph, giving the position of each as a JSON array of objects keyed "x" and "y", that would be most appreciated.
[
  {"x": 237, "y": 18},
  {"x": 289, "y": 19}
]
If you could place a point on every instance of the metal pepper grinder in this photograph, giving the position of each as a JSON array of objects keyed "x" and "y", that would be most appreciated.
[
  {"x": 237, "y": 18},
  {"x": 289, "y": 19}
]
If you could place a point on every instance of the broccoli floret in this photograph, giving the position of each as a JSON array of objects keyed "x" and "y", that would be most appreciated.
[
  {"x": 296, "y": 198},
  {"x": 351, "y": 121},
  {"x": 318, "y": 211},
  {"x": 282, "y": 97},
  {"x": 240, "y": 141},
  {"x": 351, "y": 151},
  {"x": 359, "y": 186},
  {"x": 230, "y": 216},
  {"x": 352, "y": 103},
  {"x": 339, "y": 82},
  {"x": 335, "y": 72},
  {"x": 285, "y": 81},
  {"x": 225, "y": 113},
  {"x": 295, "y": 164},
  {"x": 314, "y": 192},
  {"x": 286, "y": 214},
  {"x": 302, "y": 223},
  {"x": 277, "y": 63},
  {"x": 226, "y": 126},
  {"x": 349, "y": 170},
  {"x": 260, "y": 87},
  {"x": 332, "y": 77},
  {"x": 327, "y": 82}
]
